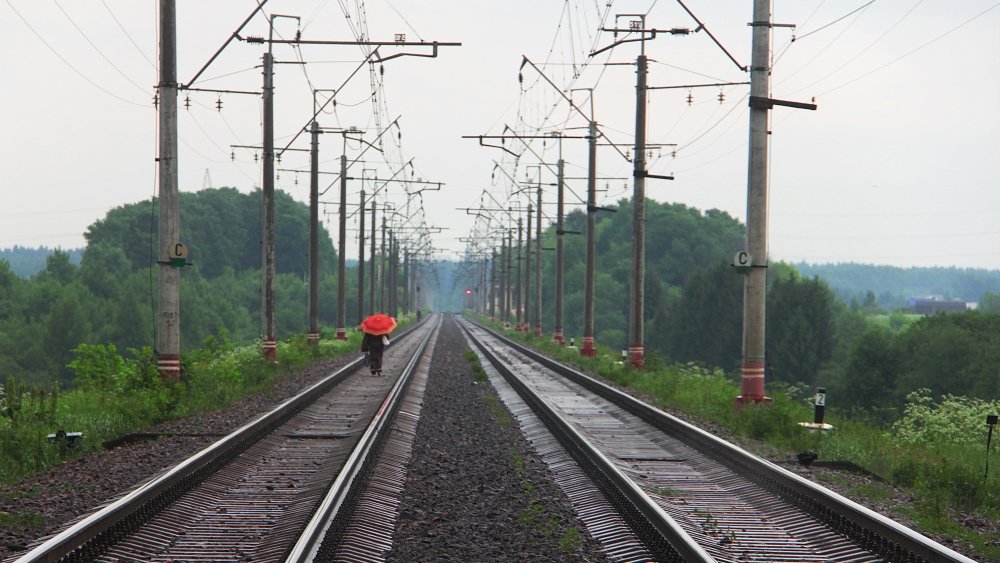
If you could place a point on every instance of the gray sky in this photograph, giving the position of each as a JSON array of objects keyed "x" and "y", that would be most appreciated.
[{"x": 900, "y": 165}]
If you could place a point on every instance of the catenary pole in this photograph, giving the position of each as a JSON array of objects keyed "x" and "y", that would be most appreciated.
[
  {"x": 269, "y": 340},
  {"x": 538, "y": 262},
  {"x": 528, "y": 311},
  {"x": 361, "y": 258},
  {"x": 371, "y": 263},
  {"x": 636, "y": 337},
  {"x": 314, "y": 234},
  {"x": 755, "y": 284},
  {"x": 518, "y": 282},
  {"x": 493, "y": 285},
  {"x": 559, "y": 250},
  {"x": 381, "y": 262},
  {"x": 168, "y": 326},
  {"x": 587, "y": 349},
  {"x": 342, "y": 249}
]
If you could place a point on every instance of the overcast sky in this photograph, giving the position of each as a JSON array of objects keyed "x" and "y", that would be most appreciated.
[{"x": 900, "y": 165}]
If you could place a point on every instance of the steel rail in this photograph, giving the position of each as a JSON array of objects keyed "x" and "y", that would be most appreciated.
[
  {"x": 891, "y": 539},
  {"x": 83, "y": 540},
  {"x": 660, "y": 533},
  {"x": 332, "y": 513}
]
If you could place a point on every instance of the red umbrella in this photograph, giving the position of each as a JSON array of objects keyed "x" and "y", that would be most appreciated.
[{"x": 378, "y": 324}]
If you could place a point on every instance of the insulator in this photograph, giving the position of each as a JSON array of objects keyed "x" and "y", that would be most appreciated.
[
  {"x": 255, "y": 157},
  {"x": 218, "y": 103},
  {"x": 278, "y": 156},
  {"x": 722, "y": 97},
  {"x": 232, "y": 156},
  {"x": 187, "y": 102},
  {"x": 156, "y": 100},
  {"x": 520, "y": 78},
  {"x": 381, "y": 70},
  {"x": 690, "y": 98}
]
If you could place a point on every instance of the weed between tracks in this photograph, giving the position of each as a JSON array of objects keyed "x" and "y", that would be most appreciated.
[{"x": 533, "y": 514}]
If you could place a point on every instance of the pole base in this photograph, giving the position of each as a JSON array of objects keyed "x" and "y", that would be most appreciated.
[
  {"x": 269, "y": 349},
  {"x": 341, "y": 334},
  {"x": 636, "y": 357},
  {"x": 169, "y": 367},
  {"x": 742, "y": 400},
  {"x": 752, "y": 383},
  {"x": 538, "y": 330},
  {"x": 313, "y": 338},
  {"x": 588, "y": 350},
  {"x": 558, "y": 337}
]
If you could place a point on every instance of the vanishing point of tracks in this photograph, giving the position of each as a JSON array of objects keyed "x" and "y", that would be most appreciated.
[{"x": 320, "y": 477}]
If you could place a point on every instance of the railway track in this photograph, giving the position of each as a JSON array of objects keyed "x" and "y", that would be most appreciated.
[
  {"x": 320, "y": 479},
  {"x": 249, "y": 496},
  {"x": 687, "y": 495}
]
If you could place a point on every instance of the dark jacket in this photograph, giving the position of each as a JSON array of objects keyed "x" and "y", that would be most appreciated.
[{"x": 372, "y": 343}]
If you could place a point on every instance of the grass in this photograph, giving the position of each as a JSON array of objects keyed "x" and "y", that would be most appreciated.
[
  {"x": 22, "y": 521},
  {"x": 119, "y": 393}
]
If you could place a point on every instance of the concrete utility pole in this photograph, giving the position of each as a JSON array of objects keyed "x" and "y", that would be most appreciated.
[
  {"x": 361, "y": 258},
  {"x": 371, "y": 263},
  {"x": 755, "y": 286},
  {"x": 508, "y": 270},
  {"x": 314, "y": 235},
  {"x": 342, "y": 248},
  {"x": 538, "y": 263},
  {"x": 636, "y": 337},
  {"x": 493, "y": 286},
  {"x": 381, "y": 291},
  {"x": 755, "y": 257},
  {"x": 528, "y": 312},
  {"x": 269, "y": 328},
  {"x": 558, "y": 336},
  {"x": 168, "y": 326},
  {"x": 587, "y": 349},
  {"x": 484, "y": 292},
  {"x": 518, "y": 303},
  {"x": 406, "y": 281}
]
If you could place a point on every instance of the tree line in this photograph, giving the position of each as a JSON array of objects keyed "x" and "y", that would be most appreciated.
[
  {"x": 867, "y": 356},
  {"x": 110, "y": 296}
]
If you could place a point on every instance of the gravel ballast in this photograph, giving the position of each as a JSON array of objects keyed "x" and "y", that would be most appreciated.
[{"x": 475, "y": 490}]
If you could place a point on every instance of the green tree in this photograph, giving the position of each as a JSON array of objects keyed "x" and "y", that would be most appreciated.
[
  {"x": 706, "y": 325},
  {"x": 950, "y": 354},
  {"x": 800, "y": 327},
  {"x": 990, "y": 302},
  {"x": 870, "y": 376}
]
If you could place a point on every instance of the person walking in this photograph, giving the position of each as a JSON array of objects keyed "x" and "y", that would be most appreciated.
[
  {"x": 376, "y": 328},
  {"x": 374, "y": 346}
]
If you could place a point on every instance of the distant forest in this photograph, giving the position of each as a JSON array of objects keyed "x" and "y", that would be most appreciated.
[
  {"x": 894, "y": 286},
  {"x": 846, "y": 326},
  {"x": 26, "y": 262}
]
